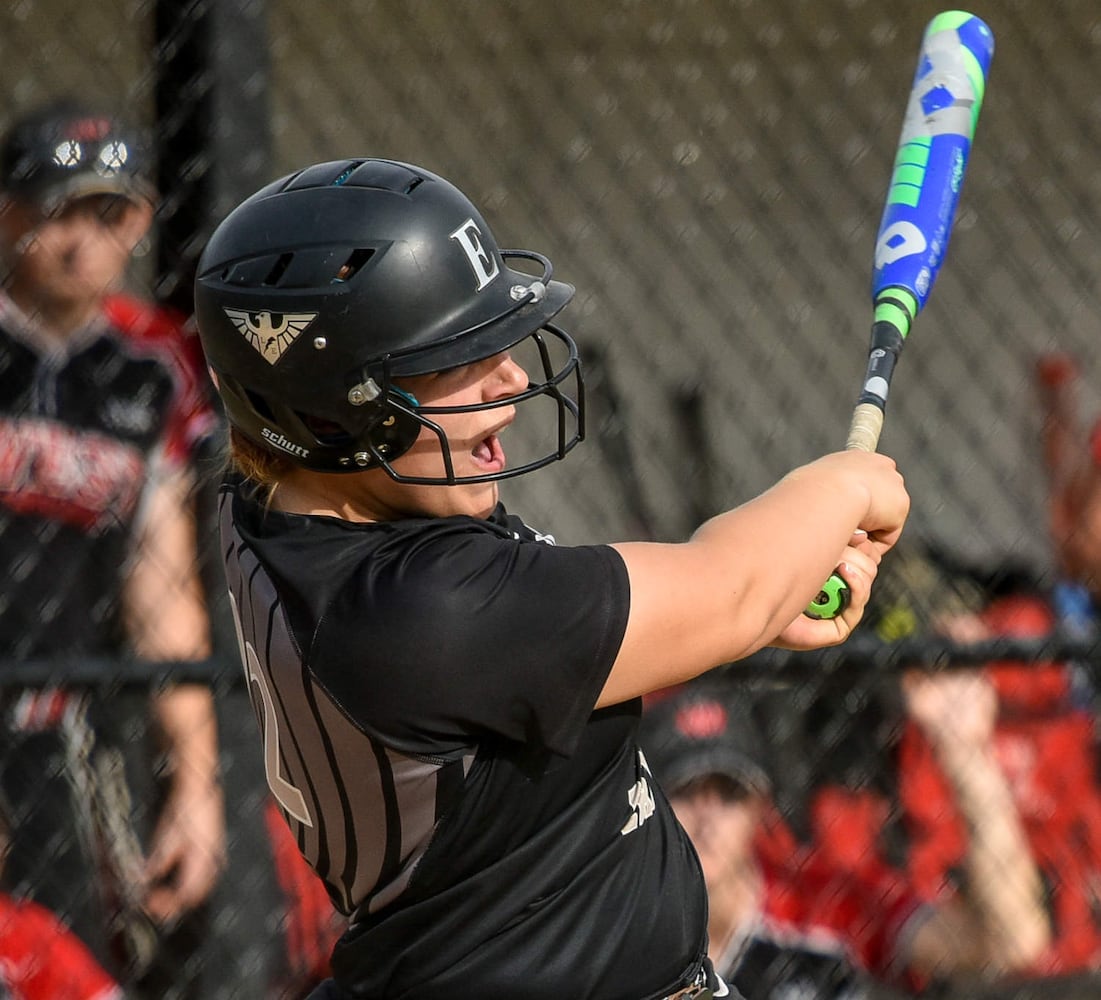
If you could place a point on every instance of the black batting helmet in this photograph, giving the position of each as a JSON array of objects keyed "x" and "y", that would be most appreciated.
[{"x": 320, "y": 289}]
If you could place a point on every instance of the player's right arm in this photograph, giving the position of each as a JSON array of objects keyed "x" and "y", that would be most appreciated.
[
  {"x": 743, "y": 579},
  {"x": 166, "y": 620}
]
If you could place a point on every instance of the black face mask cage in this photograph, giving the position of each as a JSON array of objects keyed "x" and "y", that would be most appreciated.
[{"x": 570, "y": 429}]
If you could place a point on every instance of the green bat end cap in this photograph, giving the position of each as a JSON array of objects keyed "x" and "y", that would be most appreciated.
[
  {"x": 949, "y": 20},
  {"x": 832, "y": 599}
]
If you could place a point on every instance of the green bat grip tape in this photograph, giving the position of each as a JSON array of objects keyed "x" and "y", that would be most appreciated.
[{"x": 832, "y": 599}]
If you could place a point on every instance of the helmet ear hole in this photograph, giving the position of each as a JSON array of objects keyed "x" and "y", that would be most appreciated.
[
  {"x": 393, "y": 435},
  {"x": 391, "y": 432}
]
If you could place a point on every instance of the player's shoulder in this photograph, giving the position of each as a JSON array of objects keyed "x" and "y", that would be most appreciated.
[
  {"x": 153, "y": 334},
  {"x": 142, "y": 320},
  {"x": 420, "y": 554},
  {"x": 426, "y": 537},
  {"x": 409, "y": 566},
  {"x": 149, "y": 331}
]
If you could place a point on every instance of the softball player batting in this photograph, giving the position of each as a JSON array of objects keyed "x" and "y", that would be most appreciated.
[{"x": 449, "y": 700}]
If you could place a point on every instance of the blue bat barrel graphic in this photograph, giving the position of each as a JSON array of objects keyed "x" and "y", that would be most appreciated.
[{"x": 933, "y": 149}]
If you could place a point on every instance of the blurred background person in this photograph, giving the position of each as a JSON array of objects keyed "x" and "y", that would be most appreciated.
[
  {"x": 40, "y": 958},
  {"x": 786, "y": 919},
  {"x": 1027, "y": 726},
  {"x": 97, "y": 544},
  {"x": 112, "y": 389}
]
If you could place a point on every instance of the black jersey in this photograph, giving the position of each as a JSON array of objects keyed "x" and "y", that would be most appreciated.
[{"x": 425, "y": 689}]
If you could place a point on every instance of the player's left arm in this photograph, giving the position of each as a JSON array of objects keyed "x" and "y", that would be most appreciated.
[{"x": 166, "y": 620}]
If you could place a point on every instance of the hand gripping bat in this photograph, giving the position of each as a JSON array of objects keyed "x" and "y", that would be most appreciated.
[{"x": 920, "y": 208}]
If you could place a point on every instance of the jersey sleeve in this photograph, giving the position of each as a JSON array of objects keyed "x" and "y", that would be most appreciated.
[
  {"x": 160, "y": 331},
  {"x": 471, "y": 633}
]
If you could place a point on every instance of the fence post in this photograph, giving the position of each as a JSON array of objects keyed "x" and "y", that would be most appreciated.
[{"x": 213, "y": 128}]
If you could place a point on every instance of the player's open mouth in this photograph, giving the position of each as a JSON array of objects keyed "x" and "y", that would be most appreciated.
[{"x": 488, "y": 454}]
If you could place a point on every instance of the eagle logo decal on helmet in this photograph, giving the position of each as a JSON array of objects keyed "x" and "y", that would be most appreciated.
[{"x": 271, "y": 333}]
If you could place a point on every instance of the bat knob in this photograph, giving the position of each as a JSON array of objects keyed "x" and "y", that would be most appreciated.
[{"x": 832, "y": 599}]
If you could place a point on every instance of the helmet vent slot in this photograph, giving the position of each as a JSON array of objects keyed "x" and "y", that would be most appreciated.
[
  {"x": 346, "y": 173},
  {"x": 278, "y": 269},
  {"x": 356, "y": 259},
  {"x": 386, "y": 175},
  {"x": 260, "y": 405}
]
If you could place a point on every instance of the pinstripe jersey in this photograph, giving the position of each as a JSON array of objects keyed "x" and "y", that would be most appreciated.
[{"x": 425, "y": 692}]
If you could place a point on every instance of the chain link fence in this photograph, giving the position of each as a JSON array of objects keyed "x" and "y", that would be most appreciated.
[{"x": 710, "y": 175}]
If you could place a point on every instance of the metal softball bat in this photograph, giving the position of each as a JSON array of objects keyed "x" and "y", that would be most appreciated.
[{"x": 920, "y": 209}]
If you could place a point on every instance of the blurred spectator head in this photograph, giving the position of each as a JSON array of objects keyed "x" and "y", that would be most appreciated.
[
  {"x": 707, "y": 754},
  {"x": 703, "y": 733},
  {"x": 65, "y": 150},
  {"x": 75, "y": 208}
]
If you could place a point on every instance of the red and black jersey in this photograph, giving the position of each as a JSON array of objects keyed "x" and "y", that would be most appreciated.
[
  {"x": 822, "y": 930},
  {"x": 84, "y": 427},
  {"x": 425, "y": 690},
  {"x": 41, "y": 959}
]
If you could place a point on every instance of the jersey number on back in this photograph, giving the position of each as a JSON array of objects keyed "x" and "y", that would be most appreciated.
[{"x": 289, "y": 797}]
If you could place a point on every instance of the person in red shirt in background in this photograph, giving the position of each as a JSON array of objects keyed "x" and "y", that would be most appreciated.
[
  {"x": 97, "y": 545},
  {"x": 40, "y": 958},
  {"x": 1043, "y": 743},
  {"x": 1033, "y": 739},
  {"x": 118, "y": 826},
  {"x": 786, "y": 918},
  {"x": 1044, "y": 740}
]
